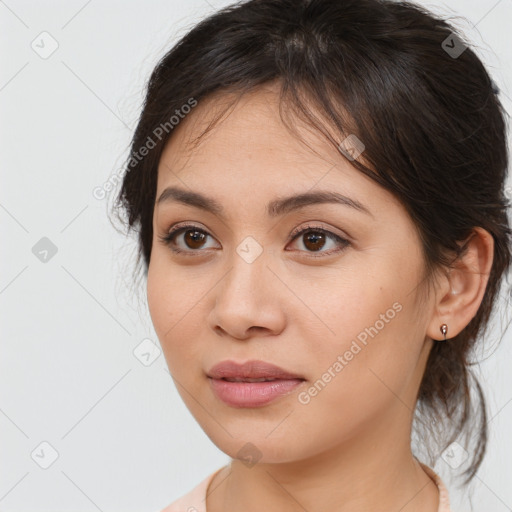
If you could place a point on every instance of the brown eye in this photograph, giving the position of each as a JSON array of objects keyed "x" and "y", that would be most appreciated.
[
  {"x": 194, "y": 239},
  {"x": 187, "y": 239},
  {"x": 314, "y": 240}
]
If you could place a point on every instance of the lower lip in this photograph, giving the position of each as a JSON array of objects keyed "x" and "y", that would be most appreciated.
[{"x": 252, "y": 394}]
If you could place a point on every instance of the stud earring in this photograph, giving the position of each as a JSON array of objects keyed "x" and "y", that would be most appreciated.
[{"x": 444, "y": 330}]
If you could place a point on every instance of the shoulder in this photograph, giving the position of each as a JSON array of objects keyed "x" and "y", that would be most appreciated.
[
  {"x": 444, "y": 500},
  {"x": 194, "y": 500}
]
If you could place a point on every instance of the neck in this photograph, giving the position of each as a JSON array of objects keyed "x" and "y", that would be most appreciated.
[{"x": 368, "y": 472}]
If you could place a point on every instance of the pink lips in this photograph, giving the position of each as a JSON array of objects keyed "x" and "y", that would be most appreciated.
[{"x": 245, "y": 393}]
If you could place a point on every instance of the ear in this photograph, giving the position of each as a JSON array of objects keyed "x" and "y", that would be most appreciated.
[{"x": 461, "y": 289}]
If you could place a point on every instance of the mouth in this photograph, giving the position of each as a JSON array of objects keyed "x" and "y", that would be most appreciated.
[
  {"x": 251, "y": 384},
  {"x": 250, "y": 371},
  {"x": 240, "y": 379},
  {"x": 251, "y": 393}
]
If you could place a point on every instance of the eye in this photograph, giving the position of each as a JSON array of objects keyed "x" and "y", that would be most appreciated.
[
  {"x": 315, "y": 238},
  {"x": 194, "y": 239}
]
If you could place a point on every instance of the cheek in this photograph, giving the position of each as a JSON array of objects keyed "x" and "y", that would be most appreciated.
[
  {"x": 159, "y": 301},
  {"x": 375, "y": 336},
  {"x": 356, "y": 304},
  {"x": 357, "y": 383},
  {"x": 169, "y": 295},
  {"x": 173, "y": 305},
  {"x": 164, "y": 304}
]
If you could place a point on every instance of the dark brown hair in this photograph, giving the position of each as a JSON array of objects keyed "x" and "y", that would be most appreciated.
[{"x": 431, "y": 122}]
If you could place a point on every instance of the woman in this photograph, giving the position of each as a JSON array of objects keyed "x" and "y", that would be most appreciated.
[{"x": 318, "y": 189}]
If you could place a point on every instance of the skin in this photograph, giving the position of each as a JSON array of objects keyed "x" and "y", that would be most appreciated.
[{"x": 348, "y": 449}]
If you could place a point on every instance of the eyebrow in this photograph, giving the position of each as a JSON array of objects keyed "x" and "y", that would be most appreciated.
[{"x": 275, "y": 208}]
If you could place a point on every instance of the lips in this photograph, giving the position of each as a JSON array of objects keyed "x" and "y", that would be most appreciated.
[
  {"x": 251, "y": 384},
  {"x": 250, "y": 371}
]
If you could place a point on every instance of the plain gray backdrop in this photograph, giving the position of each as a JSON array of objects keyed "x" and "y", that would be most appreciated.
[{"x": 88, "y": 420}]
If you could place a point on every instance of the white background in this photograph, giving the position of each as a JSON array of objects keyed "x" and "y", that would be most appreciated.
[{"x": 68, "y": 374}]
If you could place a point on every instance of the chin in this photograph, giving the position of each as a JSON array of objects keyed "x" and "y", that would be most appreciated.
[{"x": 252, "y": 445}]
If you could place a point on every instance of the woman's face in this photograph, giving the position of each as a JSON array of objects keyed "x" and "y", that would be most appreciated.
[{"x": 342, "y": 313}]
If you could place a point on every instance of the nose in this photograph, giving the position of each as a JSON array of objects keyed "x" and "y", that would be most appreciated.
[{"x": 248, "y": 300}]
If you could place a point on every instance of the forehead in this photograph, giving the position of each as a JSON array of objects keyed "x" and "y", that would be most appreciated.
[
  {"x": 250, "y": 156},
  {"x": 249, "y": 135}
]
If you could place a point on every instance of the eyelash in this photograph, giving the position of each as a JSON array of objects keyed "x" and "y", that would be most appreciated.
[{"x": 168, "y": 239}]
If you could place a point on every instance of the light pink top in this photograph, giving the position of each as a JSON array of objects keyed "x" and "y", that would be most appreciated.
[{"x": 195, "y": 500}]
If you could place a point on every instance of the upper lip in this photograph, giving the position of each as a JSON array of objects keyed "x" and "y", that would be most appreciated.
[{"x": 250, "y": 370}]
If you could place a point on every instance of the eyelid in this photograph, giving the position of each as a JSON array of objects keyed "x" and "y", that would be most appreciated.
[
  {"x": 180, "y": 225},
  {"x": 321, "y": 226}
]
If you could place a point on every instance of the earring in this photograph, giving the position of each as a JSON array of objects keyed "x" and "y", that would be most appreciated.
[{"x": 444, "y": 330}]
